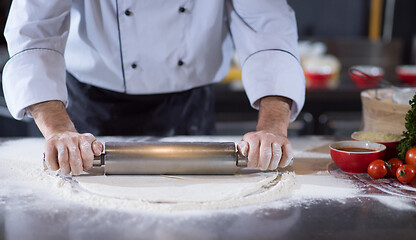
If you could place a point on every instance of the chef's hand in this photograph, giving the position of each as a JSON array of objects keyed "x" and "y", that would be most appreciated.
[
  {"x": 65, "y": 149},
  {"x": 266, "y": 150},
  {"x": 71, "y": 152},
  {"x": 268, "y": 147}
]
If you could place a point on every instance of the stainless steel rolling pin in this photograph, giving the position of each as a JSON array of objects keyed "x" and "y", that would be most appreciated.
[{"x": 170, "y": 158}]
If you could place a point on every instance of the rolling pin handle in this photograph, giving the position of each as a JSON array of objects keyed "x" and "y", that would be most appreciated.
[
  {"x": 241, "y": 160},
  {"x": 99, "y": 160}
]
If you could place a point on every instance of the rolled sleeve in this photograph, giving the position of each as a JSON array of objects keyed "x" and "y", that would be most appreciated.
[
  {"x": 33, "y": 76},
  {"x": 265, "y": 37},
  {"x": 274, "y": 73},
  {"x": 36, "y": 33}
]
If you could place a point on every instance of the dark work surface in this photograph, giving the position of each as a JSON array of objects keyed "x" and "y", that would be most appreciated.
[{"x": 360, "y": 218}]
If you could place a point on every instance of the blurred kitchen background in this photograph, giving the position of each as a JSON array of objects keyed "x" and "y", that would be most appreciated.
[{"x": 333, "y": 36}]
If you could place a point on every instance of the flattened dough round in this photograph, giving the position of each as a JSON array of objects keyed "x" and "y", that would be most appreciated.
[{"x": 174, "y": 189}]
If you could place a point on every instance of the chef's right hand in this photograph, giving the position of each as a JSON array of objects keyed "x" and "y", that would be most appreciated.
[
  {"x": 65, "y": 149},
  {"x": 71, "y": 152}
]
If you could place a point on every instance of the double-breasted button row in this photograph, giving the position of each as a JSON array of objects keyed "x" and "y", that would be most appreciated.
[
  {"x": 134, "y": 65},
  {"x": 127, "y": 12}
]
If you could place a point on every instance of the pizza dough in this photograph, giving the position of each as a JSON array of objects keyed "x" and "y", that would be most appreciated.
[
  {"x": 186, "y": 192},
  {"x": 174, "y": 189}
]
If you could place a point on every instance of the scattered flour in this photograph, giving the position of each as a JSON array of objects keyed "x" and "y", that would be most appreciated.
[
  {"x": 22, "y": 174},
  {"x": 20, "y": 165}
]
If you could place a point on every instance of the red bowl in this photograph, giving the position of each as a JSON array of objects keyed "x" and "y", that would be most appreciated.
[
  {"x": 391, "y": 151},
  {"x": 407, "y": 73},
  {"x": 373, "y": 71},
  {"x": 317, "y": 80},
  {"x": 355, "y": 162}
]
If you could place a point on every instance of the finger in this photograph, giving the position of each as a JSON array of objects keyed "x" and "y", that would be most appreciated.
[
  {"x": 97, "y": 147},
  {"x": 253, "y": 151},
  {"x": 63, "y": 159},
  {"x": 51, "y": 156},
  {"x": 277, "y": 155},
  {"x": 265, "y": 155},
  {"x": 87, "y": 155},
  {"x": 287, "y": 156},
  {"x": 75, "y": 159},
  {"x": 242, "y": 147}
]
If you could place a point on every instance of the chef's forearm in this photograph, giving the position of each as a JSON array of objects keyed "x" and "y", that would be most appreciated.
[
  {"x": 274, "y": 114},
  {"x": 51, "y": 118}
]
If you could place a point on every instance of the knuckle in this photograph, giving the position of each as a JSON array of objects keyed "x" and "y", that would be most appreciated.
[
  {"x": 252, "y": 137},
  {"x": 63, "y": 136},
  {"x": 60, "y": 141},
  {"x": 270, "y": 138},
  {"x": 277, "y": 152},
  {"x": 85, "y": 145},
  {"x": 84, "y": 138},
  {"x": 277, "y": 145},
  {"x": 88, "y": 135},
  {"x": 248, "y": 134},
  {"x": 52, "y": 141},
  {"x": 269, "y": 135},
  {"x": 73, "y": 140},
  {"x": 72, "y": 148}
]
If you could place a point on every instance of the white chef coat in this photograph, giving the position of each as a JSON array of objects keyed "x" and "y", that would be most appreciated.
[{"x": 149, "y": 47}]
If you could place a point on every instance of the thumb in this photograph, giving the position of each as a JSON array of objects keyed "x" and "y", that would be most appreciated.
[{"x": 242, "y": 147}]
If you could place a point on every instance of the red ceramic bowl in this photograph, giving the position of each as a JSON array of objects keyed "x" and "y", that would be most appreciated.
[
  {"x": 373, "y": 71},
  {"x": 407, "y": 73},
  {"x": 391, "y": 150},
  {"x": 317, "y": 80},
  {"x": 355, "y": 162}
]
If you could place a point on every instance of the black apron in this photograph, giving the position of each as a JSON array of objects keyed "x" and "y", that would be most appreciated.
[{"x": 108, "y": 113}]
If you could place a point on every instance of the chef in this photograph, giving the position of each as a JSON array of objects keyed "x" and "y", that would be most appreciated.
[{"x": 88, "y": 68}]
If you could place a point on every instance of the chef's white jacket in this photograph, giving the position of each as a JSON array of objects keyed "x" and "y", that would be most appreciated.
[{"x": 149, "y": 47}]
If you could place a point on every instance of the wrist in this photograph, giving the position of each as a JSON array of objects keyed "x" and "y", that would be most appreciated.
[
  {"x": 52, "y": 131},
  {"x": 274, "y": 115},
  {"x": 51, "y": 118}
]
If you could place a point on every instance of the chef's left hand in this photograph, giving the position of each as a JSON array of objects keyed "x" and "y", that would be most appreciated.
[
  {"x": 266, "y": 150},
  {"x": 268, "y": 147}
]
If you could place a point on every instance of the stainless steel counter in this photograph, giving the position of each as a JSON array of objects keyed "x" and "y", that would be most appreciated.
[{"x": 29, "y": 216}]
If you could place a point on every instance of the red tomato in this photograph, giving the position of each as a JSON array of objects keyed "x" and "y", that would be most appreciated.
[
  {"x": 411, "y": 156},
  {"x": 377, "y": 169},
  {"x": 406, "y": 173},
  {"x": 392, "y": 166}
]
